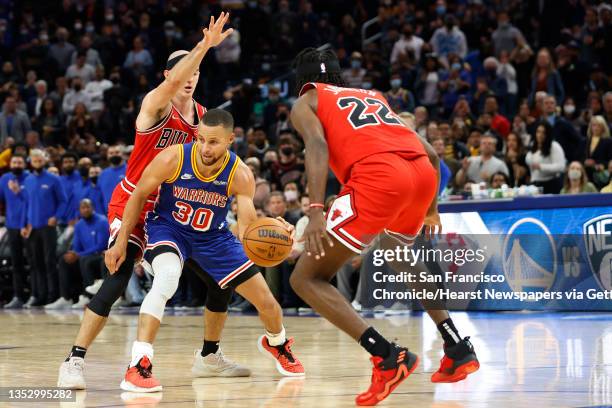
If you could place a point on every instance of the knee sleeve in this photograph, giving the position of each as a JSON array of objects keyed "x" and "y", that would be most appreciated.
[
  {"x": 114, "y": 285},
  {"x": 167, "y": 268},
  {"x": 217, "y": 299}
]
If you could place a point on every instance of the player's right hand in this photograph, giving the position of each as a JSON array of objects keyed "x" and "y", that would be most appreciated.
[
  {"x": 314, "y": 233},
  {"x": 214, "y": 34},
  {"x": 114, "y": 257}
]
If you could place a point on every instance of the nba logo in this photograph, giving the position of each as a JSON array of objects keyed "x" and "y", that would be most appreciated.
[{"x": 597, "y": 234}]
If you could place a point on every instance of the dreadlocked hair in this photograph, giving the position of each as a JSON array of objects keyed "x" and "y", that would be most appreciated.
[{"x": 310, "y": 55}]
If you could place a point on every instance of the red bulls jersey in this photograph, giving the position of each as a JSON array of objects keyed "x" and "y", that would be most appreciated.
[
  {"x": 173, "y": 129},
  {"x": 359, "y": 123}
]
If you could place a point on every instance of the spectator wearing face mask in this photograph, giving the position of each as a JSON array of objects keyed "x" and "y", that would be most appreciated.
[
  {"x": 399, "y": 99},
  {"x": 449, "y": 39},
  {"x": 13, "y": 196},
  {"x": 289, "y": 167},
  {"x": 75, "y": 95},
  {"x": 45, "y": 202},
  {"x": 408, "y": 43},
  {"x": 113, "y": 174},
  {"x": 291, "y": 192},
  {"x": 280, "y": 124},
  {"x": 576, "y": 181},
  {"x": 354, "y": 75}
]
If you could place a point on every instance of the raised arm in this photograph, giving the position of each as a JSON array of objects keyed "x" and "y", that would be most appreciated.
[
  {"x": 162, "y": 168},
  {"x": 156, "y": 103}
]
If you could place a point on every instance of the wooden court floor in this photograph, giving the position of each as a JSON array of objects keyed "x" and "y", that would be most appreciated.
[{"x": 527, "y": 360}]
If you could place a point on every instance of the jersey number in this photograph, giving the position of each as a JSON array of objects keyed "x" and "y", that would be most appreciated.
[
  {"x": 359, "y": 119},
  {"x": 200, "y": 220}
]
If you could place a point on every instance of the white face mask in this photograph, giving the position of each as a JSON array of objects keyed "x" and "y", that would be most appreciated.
[
  {"x": 574, "y": 174},
  {"x": 569, "y": 109},
  {"x": 291, "y": 195}
]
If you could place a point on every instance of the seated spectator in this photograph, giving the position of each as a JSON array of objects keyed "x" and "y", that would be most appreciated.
[
  {"x": 454, "y": 84},
  {"x": 289, "y": 167},
  {"x": 262, "y": 186},
  {"x": 113, "y": 174},
  {"x": 499, "y": 123},
  {"x": 408, "y": 119},
  {"x": 399, "y": 99},
  {"x": 80, "y": 126},
  {"x": 498, "y": 179},
  {"x": 480, "y": 168},
  {"x": 80, "y": 69},
  {"x": 462, "y": 113},
  {"x": 447, "y": 166},
  {"x": 515, "y": 160},
  {"x": 563, "y": 131},
  {"x": 608, "y": 188},
  {"x": 455, "y": 148},
  {"x": 473, "y": 141},
  {"x": 260, "y": 144},
  {"x": 546, "y": 160},
  {"x": 83, "y": 264},
  {"x": 449, "y": 39},
  {"x": 291, "y": 192},
  {"x": 576, "y": 180},
  {"x": 300, "y": 226},
  {"x": 138, "y": 60},
  {"x": 276, "y": 206},
  {"x": 74, "y": 96},
  {"x": 420, "y": 120},
  {"x": 354, "y": 75},
  {"x": 599, "y": 149},
  {"x": 546, "y": 78},
  {"x": 13, "y": 122}
]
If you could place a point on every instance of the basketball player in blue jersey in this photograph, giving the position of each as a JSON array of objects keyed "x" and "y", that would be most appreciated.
[{"x": 198, "y": 182}]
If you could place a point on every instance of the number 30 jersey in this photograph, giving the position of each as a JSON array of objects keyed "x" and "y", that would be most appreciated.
[
  {"x": 359, "y": 123},
  {"x": 191, "y": 202}
]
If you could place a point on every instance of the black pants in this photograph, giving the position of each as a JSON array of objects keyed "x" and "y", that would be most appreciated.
[
  {"x": 552, "y": 186},
  {"x": 42, "y": 248},
  {"x": 17, "y": 245},
  {"x": 73, "y": 278}
]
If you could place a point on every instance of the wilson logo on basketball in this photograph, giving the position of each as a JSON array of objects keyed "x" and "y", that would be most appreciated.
[{"x": 268, "y": 233}]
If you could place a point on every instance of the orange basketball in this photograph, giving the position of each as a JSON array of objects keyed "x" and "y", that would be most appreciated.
[{"x": 267, "y": 242}]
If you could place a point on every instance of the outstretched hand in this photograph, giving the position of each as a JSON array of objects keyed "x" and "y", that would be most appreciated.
[{"x": 214, "y": 34}]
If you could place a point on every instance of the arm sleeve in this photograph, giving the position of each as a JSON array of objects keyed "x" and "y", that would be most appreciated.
[
  {"x": 60, "y": 196},
  {"x": 558, "y": 160},
  {"x": 77, "y": 244}
]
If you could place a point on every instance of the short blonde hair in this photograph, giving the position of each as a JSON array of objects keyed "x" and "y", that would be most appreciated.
[{"x": 600, "y": 121}]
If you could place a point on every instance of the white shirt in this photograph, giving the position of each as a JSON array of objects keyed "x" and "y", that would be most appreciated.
[
  {"x": 95, "y": 91},
  {"x": 508, "y": 72},
  {"x": 550, "y": 165},
  {"x": 86, "y": 72},
  {"x": 72, "y": 98},
  {"x": 402, "y": 46}
]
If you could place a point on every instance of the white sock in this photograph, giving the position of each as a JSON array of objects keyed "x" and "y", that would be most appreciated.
[
  {"x": 139, "y": 350},
  {"x": 276, "y": 339}
]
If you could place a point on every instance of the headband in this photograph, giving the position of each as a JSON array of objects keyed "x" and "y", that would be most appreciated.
[
  {"x": 308, "y": 68},
  {"x": 173, "y": 61}
]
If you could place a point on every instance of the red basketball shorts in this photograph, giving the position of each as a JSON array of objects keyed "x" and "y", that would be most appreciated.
[
  {"x": 115, "y": 216},
  {"x": 385, "y": 192}
]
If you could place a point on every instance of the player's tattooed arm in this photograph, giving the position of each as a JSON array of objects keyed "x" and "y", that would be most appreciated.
[
  {"x": 162, "y": 168},
  {"x": 306, "y": 122},
  {"x": 156, "y": 103},
  {"x": 243, "y": 188}
]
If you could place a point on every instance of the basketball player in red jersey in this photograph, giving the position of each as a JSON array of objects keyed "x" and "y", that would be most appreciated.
[
  {"x": 169, "y": 115},
  {"x": 390, "y": 177}
]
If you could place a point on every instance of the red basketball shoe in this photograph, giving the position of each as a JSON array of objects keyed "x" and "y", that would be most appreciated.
[
  {"x": 387, "y": 374},
  {"x": 140, "y": 378},
  {"x": 458, "y": 362},
  {"x": 286, "y": 362}
]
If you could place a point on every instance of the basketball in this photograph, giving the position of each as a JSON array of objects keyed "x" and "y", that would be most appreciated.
[{"x": 267, "y": 242}]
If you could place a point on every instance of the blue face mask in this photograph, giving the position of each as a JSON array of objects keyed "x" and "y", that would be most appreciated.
[
  {"x": 367, "y": 85},
  {"x": 440, "y": 10},
  {"x": 355, "y": 64},
  {"x": 396, "y": 83}
]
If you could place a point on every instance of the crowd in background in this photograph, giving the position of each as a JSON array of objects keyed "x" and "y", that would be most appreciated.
[{"x": 508, "y": 92}]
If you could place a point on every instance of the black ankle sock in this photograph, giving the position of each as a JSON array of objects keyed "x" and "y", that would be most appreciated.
[
  {"x": 210, "y": 347},
  {"x": 449, "y": 332},
  {"x": 374, "y": 343},
  {"x": 77, "y": 352}
]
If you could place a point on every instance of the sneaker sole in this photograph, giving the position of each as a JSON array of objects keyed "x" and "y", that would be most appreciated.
[
  {"x": 460, "y": 373},
  {"x": 71, "y": 386},
  {"x": 198, "y": 374},
  {"x": 381, "y": 397},
  {"x": 128, "y": 386},
  {"x": 279, "y": 367}
]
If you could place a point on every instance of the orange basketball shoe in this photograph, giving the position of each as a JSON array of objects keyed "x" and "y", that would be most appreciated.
[
  {"x": 139, "y": 378},
  {"x": 387, "y": 374},
  {"x": 458, "y": 362},
  {"x": 286, "y": 362}
]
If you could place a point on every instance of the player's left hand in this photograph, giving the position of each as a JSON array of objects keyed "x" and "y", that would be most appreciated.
[
  {"x": 432, "y": 225},
  {"x": 289, "y": 227},
  {"x": 214, "y": 34}
]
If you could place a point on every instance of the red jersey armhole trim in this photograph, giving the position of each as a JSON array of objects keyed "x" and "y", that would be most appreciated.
[
  {"x": 159, "y": 126},
  {"x": 307, "y": 87}
]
